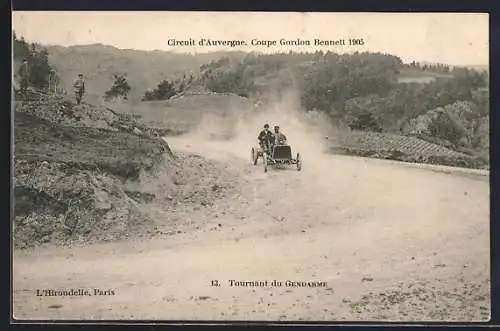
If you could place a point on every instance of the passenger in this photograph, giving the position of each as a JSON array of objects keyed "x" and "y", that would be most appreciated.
[{"x": 279, "y": 138}]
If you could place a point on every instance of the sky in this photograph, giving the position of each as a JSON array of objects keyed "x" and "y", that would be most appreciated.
[{"x": 452, "y": 38}]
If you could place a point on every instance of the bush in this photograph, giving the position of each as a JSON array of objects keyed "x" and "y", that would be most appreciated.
[
  {"x": 164, "y": 91},
  {"x": 38, "y": 62},
  {"x": 444, "y": 127},
  {"x": 120, "y": 88},
  {"x": 365, "y": 121}
]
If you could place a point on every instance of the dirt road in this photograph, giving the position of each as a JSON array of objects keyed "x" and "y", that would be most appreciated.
[{"x": 380, "y": 240}]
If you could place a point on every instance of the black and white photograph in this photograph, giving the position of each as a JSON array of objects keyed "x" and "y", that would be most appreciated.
[{"x": 250, "y": 166}]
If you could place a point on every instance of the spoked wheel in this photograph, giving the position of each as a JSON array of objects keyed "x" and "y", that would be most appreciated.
[
  {"x": 264, "y": 161},
  {"x": 299, "y": 162},
  {"x": 255, "y": 156}
]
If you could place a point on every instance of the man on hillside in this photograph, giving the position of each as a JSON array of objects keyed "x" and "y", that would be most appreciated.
[
  {"x": 79, "y": 86},
  {"x": 24, "y": 75}
]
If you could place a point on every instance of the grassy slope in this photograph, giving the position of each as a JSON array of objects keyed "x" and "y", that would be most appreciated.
[
  {"x": 120, "y": 153},
  {"x": 144, "y": 69}
]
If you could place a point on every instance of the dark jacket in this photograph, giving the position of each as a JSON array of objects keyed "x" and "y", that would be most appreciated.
[
  {"x": 79, "y": 85},
  {"x": 265, "y": 136}
]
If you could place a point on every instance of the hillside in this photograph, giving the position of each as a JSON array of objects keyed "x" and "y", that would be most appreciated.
[
  {"x": 144, "y": 69},
  {"x": 366, "y": 91},
  {"x": 84, "y": 173}
]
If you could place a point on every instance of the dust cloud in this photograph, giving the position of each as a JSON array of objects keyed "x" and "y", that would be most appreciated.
[
  {"x": 237, "y": 131},
  {"x": 305, "y": 131}
]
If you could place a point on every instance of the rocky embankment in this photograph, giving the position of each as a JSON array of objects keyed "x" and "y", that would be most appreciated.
[{"x": 79, "y": 173}]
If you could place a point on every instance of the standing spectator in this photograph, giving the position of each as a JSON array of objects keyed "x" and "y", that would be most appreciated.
[{"x": 79, "y": 86}]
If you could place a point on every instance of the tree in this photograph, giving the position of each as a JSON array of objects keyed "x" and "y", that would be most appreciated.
[
  {"x": 40, "y": 70},
  {"x": 164, "y": 91},
  {"x": 21, "y": 49},
  {"x": 446, "y": 128},
  {"x": 365, "y": 121},
  {"x": 361, "y": 113},
  {"x": 120, "y": 88}
]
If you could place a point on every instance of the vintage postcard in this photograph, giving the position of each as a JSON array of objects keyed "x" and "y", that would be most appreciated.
[{"x": 251, "y": 166}]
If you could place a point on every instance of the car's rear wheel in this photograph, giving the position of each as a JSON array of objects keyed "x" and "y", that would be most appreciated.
[{"x": 299, "y": 162}]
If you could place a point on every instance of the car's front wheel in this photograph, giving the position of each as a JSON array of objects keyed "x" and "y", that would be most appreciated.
[{"x": 255, "y": 156}]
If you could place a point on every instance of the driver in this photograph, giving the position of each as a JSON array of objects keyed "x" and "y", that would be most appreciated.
[
  {"x": 279, "y": 138},
  {"x": 265, "y": 136}
]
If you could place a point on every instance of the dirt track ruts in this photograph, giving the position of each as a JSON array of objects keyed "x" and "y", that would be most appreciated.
[{"x": 392, "y": 242}]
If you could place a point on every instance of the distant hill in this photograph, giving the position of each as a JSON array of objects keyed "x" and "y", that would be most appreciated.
[
  {"x": 144, "y": 69},
  {"x": 479, "y": 67}
]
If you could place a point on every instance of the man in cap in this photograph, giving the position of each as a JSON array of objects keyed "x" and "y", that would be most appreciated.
[
  {"x": 279, "y": 138},
  {"x": 79, "y": 85}
]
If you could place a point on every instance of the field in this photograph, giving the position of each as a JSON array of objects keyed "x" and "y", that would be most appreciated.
[
  {"x": 419, "y": 76},
  {"x": 401, "y": 148}
]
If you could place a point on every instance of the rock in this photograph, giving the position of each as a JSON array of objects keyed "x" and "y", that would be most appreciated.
[
  {"x": 101, "y": 201},
  {"x": 137, "y": 131},
  {"x": 101, "y": 205}
]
